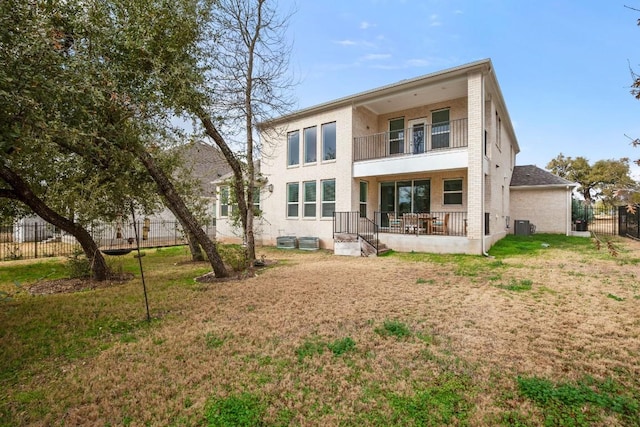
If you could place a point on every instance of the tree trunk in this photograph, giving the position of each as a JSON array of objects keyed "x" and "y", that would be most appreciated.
[
  {"x": 179, "y": 208},
  {"x": 22, "y": 192},
  {"x": 194, "y": 247}
]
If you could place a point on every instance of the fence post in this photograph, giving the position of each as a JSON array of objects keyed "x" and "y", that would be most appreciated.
[{"x": 35, "y": 239}]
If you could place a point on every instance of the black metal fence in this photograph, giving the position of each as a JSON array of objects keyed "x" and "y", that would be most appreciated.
[
  {"x": 628, "y": 220},
  {"x": 601, "y": 220},
  {"x": 36, "y": 239}
]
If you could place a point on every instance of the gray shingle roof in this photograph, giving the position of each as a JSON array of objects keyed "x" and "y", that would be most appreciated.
[
  {"x": 531, "y": 175},
  {"x": 205, "y": 162}
]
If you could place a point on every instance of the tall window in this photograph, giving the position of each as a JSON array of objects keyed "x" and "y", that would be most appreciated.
[
  {"x": 452, "y": 191},
  {"x": 293, "y": 197},
  {"x": 256, "y": 201},
  {"x": 400, "y": 197},
  {"x": 396, "y": 136},
  {"x": 440, "y": 129},
  {"x": 498, "y": 131},
  {"x": 224, "y": 201},
  {"x": 293, "y": 148},
  {"x": 310, "y": 149},
  {"x": 328, "y": 197},
  {"x": 364, "y": 192},
  {"x": 309, "y": 209},
  {"x": 329, "y": 141}
]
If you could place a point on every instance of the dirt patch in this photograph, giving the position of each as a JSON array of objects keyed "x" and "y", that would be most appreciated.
[
  {"x": 61, "y": 286},
  {"x": 237, "y": 275}
]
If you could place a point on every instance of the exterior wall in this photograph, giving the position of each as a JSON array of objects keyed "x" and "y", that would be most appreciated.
[
  {"x": 548, "y": 209},
  {"x": 458, "y": 110},
  {"x": 275, "y": 169}
]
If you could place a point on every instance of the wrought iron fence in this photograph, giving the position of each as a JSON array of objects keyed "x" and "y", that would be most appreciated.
[
  {"x": 598, "y": 219},
  {"x": 629, "y": 219},
  {"x": 41, "y": 240}
]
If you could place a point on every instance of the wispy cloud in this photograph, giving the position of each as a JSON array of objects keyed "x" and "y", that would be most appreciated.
[
  {"x": 365, "y": 25},
  {"x": 346, "y": 42},
  {"x": 418, "y": 63},
  {"x": 435, "y": 20},
  {"x": 458, "y": 12},
  {"x": 376, "y": 56}
]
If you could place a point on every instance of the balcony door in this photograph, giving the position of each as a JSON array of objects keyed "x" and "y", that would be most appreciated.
[
  {"x": 417, "y": 128},
  {"x": 440, "y": 129}
]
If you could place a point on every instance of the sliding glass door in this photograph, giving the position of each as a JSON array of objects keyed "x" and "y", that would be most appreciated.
[{"x": 400, "y": 197}]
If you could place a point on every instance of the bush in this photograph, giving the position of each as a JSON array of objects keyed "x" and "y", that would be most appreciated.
[
  {"x": 77, "y": 265},
  {"x": 235, "y": 256}
]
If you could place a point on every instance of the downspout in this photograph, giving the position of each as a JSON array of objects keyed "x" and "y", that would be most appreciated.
[{"x": 568, "y": 222}]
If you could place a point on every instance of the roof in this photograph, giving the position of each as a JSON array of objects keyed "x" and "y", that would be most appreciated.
[
  {"x": 533, "y": 176},
  {"x": 435, "y": 79},
  {"x": 205, "y": 162}
]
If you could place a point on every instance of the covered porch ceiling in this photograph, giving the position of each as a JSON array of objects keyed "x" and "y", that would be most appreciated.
[{"x": 415, "y": 96}]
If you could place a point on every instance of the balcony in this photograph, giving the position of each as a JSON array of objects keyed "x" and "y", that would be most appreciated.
[{"x": 421, "y": 139}]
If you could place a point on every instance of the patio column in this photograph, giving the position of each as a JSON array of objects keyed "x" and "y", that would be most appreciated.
[{"x": 475, "y": 187}]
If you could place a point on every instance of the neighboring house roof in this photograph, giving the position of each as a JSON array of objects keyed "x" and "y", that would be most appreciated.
[
  {"x": 206, "y": 163},
  {"x": 533, "y": 176}
]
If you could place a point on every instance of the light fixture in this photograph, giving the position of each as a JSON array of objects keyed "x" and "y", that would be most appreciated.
[{"x": 270, "y": 188}]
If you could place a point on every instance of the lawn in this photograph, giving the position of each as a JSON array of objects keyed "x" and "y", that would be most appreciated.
[{"x": 544, "y": 332}]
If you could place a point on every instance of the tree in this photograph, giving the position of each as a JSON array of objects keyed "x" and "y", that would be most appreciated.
[
  {"x": 605, "y": 179},
  {"x": 250, "y": 85}
]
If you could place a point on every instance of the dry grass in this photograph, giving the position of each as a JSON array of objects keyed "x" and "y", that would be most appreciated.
[{"x": 215, "y": 340}]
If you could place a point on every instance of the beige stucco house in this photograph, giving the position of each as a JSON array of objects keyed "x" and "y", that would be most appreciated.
[{"x": 420, "y": 165}]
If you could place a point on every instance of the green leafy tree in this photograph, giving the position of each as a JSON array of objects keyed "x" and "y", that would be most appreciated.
[{"x": 608, "y": 180}]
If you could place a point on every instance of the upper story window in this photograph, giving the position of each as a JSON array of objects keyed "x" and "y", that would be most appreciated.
[
  {"x": 498, "y": 131},
  {"x": 440, "y": 128},
  {"x": 310, "y": 145},
  {"x": 396, "y": 135},
  {"x": 224, "y": 201},
  {"x": 293, "y": 199},
  {"x": 329, "y": 141},
  {"x": 293, "y": 148},
  {"x": 256, "y": 201},
  {"x": 452, "y": 191}
]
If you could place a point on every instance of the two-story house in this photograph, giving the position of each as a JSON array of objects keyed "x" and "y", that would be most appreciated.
[{"x": 423, "y": 164}]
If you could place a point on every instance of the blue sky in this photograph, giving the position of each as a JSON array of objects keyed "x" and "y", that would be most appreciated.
[{"x": 563, "y": 66}]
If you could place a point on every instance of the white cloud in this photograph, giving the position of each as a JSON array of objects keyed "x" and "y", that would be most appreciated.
[
  {"x": 435, "y": 20},
  {"x": 346, "y": 42},
  {"x": 418, "y": 63},
  {"x": 458, "y": 12},
  {"x": 376, "y": 56},
  {"x": 365, "y": 25}
]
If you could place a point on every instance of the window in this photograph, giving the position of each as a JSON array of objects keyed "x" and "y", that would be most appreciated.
[
  {"x": 396, "y": 136},
  {"x": 256, "y": 201},
  {"x": 498, "y": 131},
  {"x": 329, "y": 141},
  {"x": 310, "y": 152},
  {"x": 309, "y": 209},
  {"x": 400, "y": 197},
  {"x": 364, "y": 191},
  {"x": 452, "y": 191},
  {"x": 293, "y": 197},
  {"x": 224, "y": 201},
  {"x": 293, "y": 148},
  {"x": 440, "y": 129},
  {"x": 328, "y": 197}
]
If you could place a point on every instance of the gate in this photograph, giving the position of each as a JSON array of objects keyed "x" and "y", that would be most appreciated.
[
  {"x": 628, "y": 220},
  {"x": 602, "y": 220}
]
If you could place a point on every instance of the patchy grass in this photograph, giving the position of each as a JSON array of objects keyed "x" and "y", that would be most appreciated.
[{"x": 324, "y": 340}]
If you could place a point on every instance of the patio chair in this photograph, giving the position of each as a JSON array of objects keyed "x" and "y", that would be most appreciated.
[
  {"x": 410, "y": 222},
  {"x": 441, "y": 227},
  {"x": 394, "y": 223}
]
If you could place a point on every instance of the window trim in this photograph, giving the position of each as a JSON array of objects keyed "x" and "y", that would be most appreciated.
[
  {"x": 445, "y": 192},
  {"x": 293, "y": 202},
  {"x": 306, "y": 202},
  {"x": 363, "y": 203},
  {"x": 335, "y": 141},
  {"x": 224, "y": 201},
  {"x": 324, "y": 201},
  {"x": 315, "y": 145},
  {"x": 289, "y": 141}
]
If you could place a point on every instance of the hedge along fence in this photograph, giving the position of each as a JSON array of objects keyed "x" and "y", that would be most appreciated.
[{"x": 38, "y": 239}]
